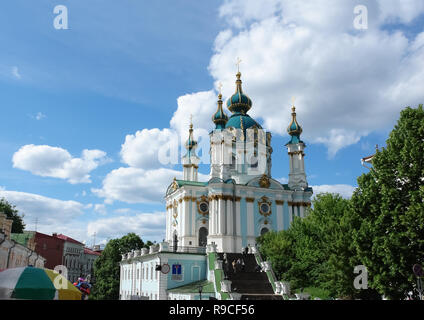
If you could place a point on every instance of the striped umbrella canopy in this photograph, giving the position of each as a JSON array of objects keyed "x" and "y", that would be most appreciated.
[{"x": 36, "y": 284}]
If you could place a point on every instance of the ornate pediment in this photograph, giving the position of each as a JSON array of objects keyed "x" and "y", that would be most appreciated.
[{"x": 264, "y": 182}]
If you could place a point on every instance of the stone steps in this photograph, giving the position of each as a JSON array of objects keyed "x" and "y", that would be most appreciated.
[{"x": 252, "y": 285}]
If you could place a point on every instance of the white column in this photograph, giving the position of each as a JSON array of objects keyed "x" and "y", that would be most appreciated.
[
  {"x": 221, "y": 217},
  {"x": 302, "y": 211},
  {"x": 229, "y": 217},
  {"x": 193, "y": 217},
  {"x": 238, "y": 219},
  {"x": 290, "y": 214},
  {"x": 213, "y": 217},
  {"x": 280, "y": 224},
  {"x": 250, "y": 226},
  {"x": 186, "y": 231},
  {"x": 180, "y": 220}
]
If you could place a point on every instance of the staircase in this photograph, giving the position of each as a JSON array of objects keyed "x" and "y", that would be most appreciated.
[{"x": 250, "y": 283}]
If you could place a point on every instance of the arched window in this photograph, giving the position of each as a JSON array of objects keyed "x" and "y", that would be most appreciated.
[
  {"x": 203, "y": 237},
  {"x": 233, "y": 162},
  {"x": 264, "y": 230},
  {"x": 253, "y": 162}
]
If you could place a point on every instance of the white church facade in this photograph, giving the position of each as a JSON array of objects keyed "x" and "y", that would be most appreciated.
[{"x": 240, "y": 202}]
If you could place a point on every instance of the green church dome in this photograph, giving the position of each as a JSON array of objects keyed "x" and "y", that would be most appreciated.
[
  {"x": 239, "y": 102},
  {"x": 242, "y": 121}
]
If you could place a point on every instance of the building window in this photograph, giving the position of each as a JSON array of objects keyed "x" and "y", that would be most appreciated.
[{"x": 177, "y": 272}]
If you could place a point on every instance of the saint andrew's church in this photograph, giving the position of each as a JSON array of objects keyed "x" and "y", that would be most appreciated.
[{"x": 240, "y": 202}]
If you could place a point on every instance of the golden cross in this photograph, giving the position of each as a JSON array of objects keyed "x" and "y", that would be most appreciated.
[
  {"x": 293, "y": 101},
  {"x": 238, "y": 64},
  {"x": 219, "y": 87},
  {"x": 191, "y": 120}
]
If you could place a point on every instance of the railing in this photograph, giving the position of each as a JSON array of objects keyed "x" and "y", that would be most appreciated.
[{"x": 185, "y": 249}]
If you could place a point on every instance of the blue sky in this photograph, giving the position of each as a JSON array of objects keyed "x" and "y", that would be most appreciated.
[{"x": 125, "y": 66}]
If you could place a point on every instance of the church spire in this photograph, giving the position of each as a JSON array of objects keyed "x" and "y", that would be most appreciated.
[
  {"x": 220, "y": 118},
  {"x": 239, "y": 102},
  {"x": 294, "y": 129},
  {"x": 190, "y": 160},
  {"x": 191, "y": 144}
]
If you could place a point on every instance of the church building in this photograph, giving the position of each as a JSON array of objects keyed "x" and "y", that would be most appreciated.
[{"x": 240, "y": 202}]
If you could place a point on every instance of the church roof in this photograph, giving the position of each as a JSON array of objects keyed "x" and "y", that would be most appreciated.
[
  {"x": 191, "y": 183},
  {"x": 242, "y": 121}
]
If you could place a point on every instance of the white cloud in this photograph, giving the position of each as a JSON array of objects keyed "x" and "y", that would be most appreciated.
[
  {"x": 135, "y": 185},
  {"x": 40, "y": 116},
  {"x": 100, "y": 208},
  {"x": 15, "y": 72},
  {"x": 149, "y": 226},
  {"x": 201, "y": 105},
  {"x": 347, "y": 83},
  {"x": 404, "y": 11},
  {"x": 344, "y": 190},
  {"x": 49, "y": 211},
  {"x": 143, "y": 149},
  {"x": 47, "y": 161}
]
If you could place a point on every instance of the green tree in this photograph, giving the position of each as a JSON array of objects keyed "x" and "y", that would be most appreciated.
[
  {"x": 317, "y": 251},
  {"x": 106, "y": 267},
  {"x": 389, "y": 209},
  {"x": 10, "y": 210}
]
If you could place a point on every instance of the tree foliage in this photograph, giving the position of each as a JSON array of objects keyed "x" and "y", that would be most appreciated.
[
  {"x": 316, "y": 251},
  {"x": 380, "y": 227},
  {"x": 10, "y": 210},
  {"x": 390, "y": 209},
  {"x": 106, "y": 267}
]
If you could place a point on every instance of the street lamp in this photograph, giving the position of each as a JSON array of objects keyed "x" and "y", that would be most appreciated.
[{"x": 200, "y": 292}]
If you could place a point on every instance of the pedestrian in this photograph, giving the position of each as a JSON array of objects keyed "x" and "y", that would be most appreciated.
[
  {"x": 234, "y": 266},
  {"x": 243, "y": 265}
]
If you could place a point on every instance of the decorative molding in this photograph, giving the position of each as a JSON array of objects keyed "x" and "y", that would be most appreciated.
[
  {"x": 203, "y": 199},
  {"x": 190, "y": 165},
  {"x": 265, "y": 200},
  {"x": 299, "y": 204},
  {"x": 279, "y": 202},
  {"x": 187, "y": 198},
  {"x": 175, "y": 185},
  {"x": 296, "y": 153},
  {"x": 264, "y": 182},
  {"x": 222, "y": 197},
  {"x": 250, "y": 199}
]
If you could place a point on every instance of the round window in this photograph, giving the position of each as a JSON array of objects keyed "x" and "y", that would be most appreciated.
[
  {"x": 204, "y": 207},
  {"x": 265, "y": 207}
]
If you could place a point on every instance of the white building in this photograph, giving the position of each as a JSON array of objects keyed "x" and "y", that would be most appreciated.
[{"x": 240, "y": 202}]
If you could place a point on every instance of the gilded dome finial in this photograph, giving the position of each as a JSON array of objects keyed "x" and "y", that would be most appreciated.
[
  {"x": 238, "y": 65},
  {"x": 239, "y": 102},
  {"x": 294, "y": 129}
]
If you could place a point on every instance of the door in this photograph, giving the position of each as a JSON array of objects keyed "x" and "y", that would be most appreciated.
[{"x": 203, "y": 237}]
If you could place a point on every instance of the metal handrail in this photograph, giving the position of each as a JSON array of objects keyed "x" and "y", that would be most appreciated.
[{"x": 185, "y": 249}]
